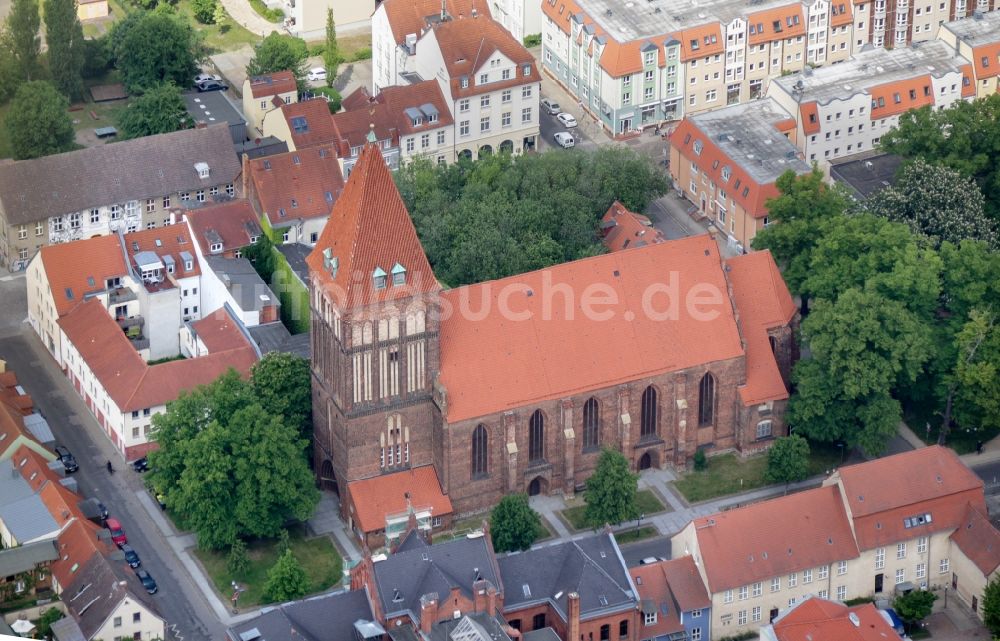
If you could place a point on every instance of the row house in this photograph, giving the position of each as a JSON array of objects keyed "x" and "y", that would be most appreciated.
[
  {"x": 871, "y": 530},
  {"x": 824, "y": 620},
  {"x": 265, "y": 93},
  {"x": 845, "y": 109},
  {"x": 977, "y": 39},
  {"x": 125, "y": 187},
  {"x": 674, "y": 605},
  {"x": 727, "y": 162}
]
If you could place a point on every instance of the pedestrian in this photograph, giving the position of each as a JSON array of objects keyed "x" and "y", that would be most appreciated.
[{"x": 979, "y": 447}]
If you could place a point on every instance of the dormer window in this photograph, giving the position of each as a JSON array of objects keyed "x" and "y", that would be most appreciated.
[
  {"x": 216, "y": 247},
  {"x": 464, "y": 82},
  {"x": 484, "y": 78},
  {"x": 202, "y": 169},
  {"x": 253, "y": 239},
  {"x": 188, "y": 265},
  {"x": 526, "y": 70},
  {"x": 379, "y": 277},
  {"x": 398, "y": 275}
]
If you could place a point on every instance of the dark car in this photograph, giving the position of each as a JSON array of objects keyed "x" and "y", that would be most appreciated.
[
  {"x": 67, "y": 459},
  {"x": 140, "y": 464},
  {"x": 102, "y": 511},
  {"x": 147, "y": 581},
  {"x": 130, "y": 556},
  {"x": 212, "y": 85}
]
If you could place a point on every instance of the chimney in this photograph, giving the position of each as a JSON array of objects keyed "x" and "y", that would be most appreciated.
[
  {"x": 491, "y": 601},
  {"x": 246, "y": 175},
  {"x": 428, "y": 612},
  {"x": 573, "y": 616}
]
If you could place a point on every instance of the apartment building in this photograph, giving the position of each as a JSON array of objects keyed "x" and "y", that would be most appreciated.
[
  {"x": 727, "y": 161},
  {"x": 977, "y": 39},
  {"x": 845, "y": 109},
  {"x": 307, "y": 18},
  {"x": 520, "y": 17},
  {"x": 265, "y": 93}
]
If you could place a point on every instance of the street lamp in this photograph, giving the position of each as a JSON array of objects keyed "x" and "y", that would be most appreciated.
[
  {"x": 638, "y": 522},
  {"x": 237, "y": 590}
]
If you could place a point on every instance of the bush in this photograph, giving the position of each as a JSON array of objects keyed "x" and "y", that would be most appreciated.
[
  {"x": 204, "y": 11},
  {"x": 700, "y": 462},
  {"x": 96, "y": 58},
  {"x": 333, "y": 95},
  {"x": 365, "y": 53},
  {"x": 532, "y": 40},
  {"x": 271, "y": 15},
  {"x": 317, "y": 49},
  {"x": 238, "y": 562}
]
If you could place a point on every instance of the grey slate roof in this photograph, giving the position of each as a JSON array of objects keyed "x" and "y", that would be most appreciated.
[
  {"x": 27, "y": 557},
  {"x": 592, "y": 567},
  {"x": 275, "y": 337},
  {"x": 243, "y": 282},
  {"x": 295, "y": 254},
  {"x": 39, "y": 428},
  {"x": 545, "y": 634},
  {"x": 67, "y": 629},
  {"x": 211, "y": 107},
  {"x": 867, "y": 176},
  {"x": 98, "y": 588},
  {"x": 330, "y": 616},
  {"x": 21, "y": 510},
  {"x": 474, "y": 626},
  {"x": 115, "y": 173},
  {"x": 415, "y": 570}
]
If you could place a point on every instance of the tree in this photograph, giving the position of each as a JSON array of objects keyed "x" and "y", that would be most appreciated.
[
  {"x": 23, "y": 24},
  {"x": 96, "y": 57},
  {"x": 261, "y": 255},
  {"x": 283, "y": 385},
  {"x": 64, "y": 38},
  {"x": 45, "y": 622},
  {"x": 936, "y": 201},
  {"x": 284, "y": 543},
  {"x": 220, "y": 18},
  {"x": 805, "y": 203},
  {"x": 991, "y": 607},
  {"x": 204, "y": 10},
  {"x": 38, "y": 123},
  {"x": 611, "y": 490},
  {"x": 159, "y": 110},
  {"x": 238, "y": 562},
  {"x": 279, "y": 52},
  {"x": 150, "y": 48},
  {"x": 514, "y": 525},
  {"x": 914, "y": 606},
  {"x": 977, "y": 373},
  {"x": 331, "y": 54},
  {"x": 788, "y": 460},
  {"x": 286, "y": 580},
  {"x": 10, "y": 73}
]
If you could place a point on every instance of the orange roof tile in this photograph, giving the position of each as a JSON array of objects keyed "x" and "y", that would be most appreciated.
[
  {"x": 979, "y": 540},
  {"x": 776, "y": 24},
  {"x": 820, "y": 620},
  {"x": 841, "y": 14},
  {"x": 36, "y": 470},
  {"x": 754, "y": 543},
  {"x": 623, "y": 229},
  {"x": 272, "y": 84},
  {"x": 369, "y": 229},
  {"x": 686, "y": 584},
  {"x": 763, "y": 302},
  {"x": 893, "y": 98},
  {"x": 12, "y": 427},
  {"x": 77, "y": 543},
  {"x": 234, "y": 224},
  {"x": 387, "y": 111},
  {"x": 968, "y": 82},
  {"x": 165, "y": 241},
  {"x": 810, "y": 117},
  {"x": 655, "y": 596},
  {"x": 559, "y": 11},
  {"x": 61, "y": 503},
  {"x": 78, "y": 268},
  {"x": 128, "y": 380},
  {"x": 296, "y": 185},
  {"x": 413, "y": 16},
  {"x": 990, "y": 55},
  {"x": 385, "y": 495},
  {"x": 701, "y": 41},
  {"x": 219, "y": 332},
  {"x": 559, "y": 350},
  {"x": 317, "y": 128}
]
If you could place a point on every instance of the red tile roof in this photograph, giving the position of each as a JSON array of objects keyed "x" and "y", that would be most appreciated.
[
  {"x": 77, "y": 544},
  {"x": 233, "y": 223},
  {"x": 820, "y": 620},
  {"x": 810, "y": 117},
  {"x": 841, "y": 14},
  {"x": 61, "y": 502},
  {"x": 219, "y": 332},
  {"x": 319, "y": 129},
  {"x": 754, "y": 543},
  {"x": 128, "y": 380},
  {"x": 411, "y": 16},
  {"x": 165, "y": 241},
  {"x": 272, "y": 84},
  {"x": 763, "y": 302},
  {"x": 377, "y": 497},
  {"x": 978, "y": 540},
  {"x": 296, "y": 185},
  {"x": 655, "y": 596},
  {"x": 36, "y": 470},
  {"x": 81, "y": 267},
  {"x": 780, "y": 15},
  {"x": 556, "y": 354},
  {"x": 912, "y": 93},
  {"x": 701, "y": 41},
  {"x": 686, "y": 584},
  {"x": 623, "y": 229},
  {"x": 387, "y": 111},
  {"x": 369, "y": 229},
  {"x": 12, "y": 427}
]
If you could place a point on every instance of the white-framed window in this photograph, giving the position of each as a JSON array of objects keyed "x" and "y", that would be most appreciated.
[
  {"x": 900, "y": 575},
  {"x": 744, "y": 592},
  {"x": 463, "y": 105},
  {"x": 505, "y": 96},
  {"x": 505, "y": 119},
  {"x": 425, "y": 141},
  {"x": 824, "y": 594},
  {"x": 463, "y": 128},
  {"x": 793, "y": 580},
  {"x": 649, "y": 618},
  {"x": 118, "y": 622},
  {"x": 755, "y": 613},
  {"x": 213, "y": 191},
  {"x": 695, "y": 614},
  {"x": 727, "y": 597},
  {"x": 879, "y": 558},
  {"x": 505, "y": 74},
  {"x": 185, "y": 196},
  {"x": 440, "y": 137},
  {"x": 135, "y": 432},
  {"x": 409, "y": 145},
  {"x": 57, "y": 223},
  {"x": 484, "y": 101},
  {"x": 626, "y": 98},
  {"x": 22, "y": 232},
  {"x": 807, "y": 576},
  {"x": 166, "y": 202},
  {"x": 944, "y": 565},
  {"x": 525, "y": 92},
  {"x": 901, "y": 550},
  {"x": 150, "y": 204},
  {"x": 741, "y": 617},
  {"x": 39, "y": 228},
  {"x": 841, "y": 592},
  {"x": 922, "y": 545},
  {"x": 484, "y": 78},
  {"x": 230, "y": 190},
  {"x": 526, "y": 70},
  {"x": 791, "y": 602},
  {"x": 764, "y": 429},
  {"x": 75, "y": 221},
  {"x": 526, "y": 115},
  {"x": 841, "y": 568},
  {"x": 695, "y": 634},
  {"x": 921, "y": 570},
  {"x": 22, "y": 253},
  {"x": 757, "y": 588},
  {"x": 484, "y": 124},
  {"x": 824, "y": 571},
  {"x": 200, "y": 195}
]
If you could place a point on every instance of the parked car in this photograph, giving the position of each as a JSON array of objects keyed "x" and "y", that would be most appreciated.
[
  {"x": 212, "y": 85},
  {"x": 67, "y": 459},
  {"x": 117, "y": 532},
  {"x": 205, "y": 77},
  {"x": 102, "y": 511},
  {"x": 651, "y": 559},
  {"x": 147, "y": 581},
  {"x": 140, "y": 464},
  {"x": 316, "y": 73},
  {"x": 551, "y": 107},
  {"x": 566, "y": 119},
  {"x": 564, "y": 139},
  {"x": 130, "y": 556}
]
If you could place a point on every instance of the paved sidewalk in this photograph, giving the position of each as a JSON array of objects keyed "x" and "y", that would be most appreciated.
[
  {"x": 241, "y": 12},
  {"x": 326, "y": 520}
]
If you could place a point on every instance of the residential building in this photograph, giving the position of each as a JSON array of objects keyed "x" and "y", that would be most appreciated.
[
  {"x": 726, "y": 162},
  {"x": 127, "y": 186},
  {"x": 232, "y": 284},
  {"x": 292, "y": 193},
  {"x": 673, "y": 603},
  {"x": 845, "y": 109},
  {"x": 398, "y": 386},
  {"x": 490, "y": 81},
  {"x": 869, "y": 174},
  {"x": 872, "y": 529},
  {"x": 260, "y": 147},
  {"x": 25, "y": 570},
  {"x": 263, "y": 94},
  {"x": 223, "y": 230},
  {"x": 213, "y": 107},
  {"x": 91, "y": 9},
  {"x": 975, "y": 554},
  {"x": 337, "y": 615},
  {"x": 825, "y": 620},
  {"x": 396, "y": 26},
  {"x": 19, "y": 425},
  {"x": 622, "y": 229},
  {"x": 24, "y": 516},
  {"x": 300, "y": 125},
  {"x": 977, "y": 39},
  {"x": 307, "y": 20},
  {"x": 520, "y": 17}
]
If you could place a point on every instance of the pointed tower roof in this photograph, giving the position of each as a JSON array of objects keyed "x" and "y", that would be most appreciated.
[{"x": 368, "y": 234}]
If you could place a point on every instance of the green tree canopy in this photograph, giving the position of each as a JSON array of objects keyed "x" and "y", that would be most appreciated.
[
  {"x": 10, "y": 73},
  {"x": 513, "y": 524},
  {"x": 150, "y": 48},
  {"x": 283, "y": 385},
  {"x": 279, "y": 52},
  {"x": 611, "y": 490},
  {"x": 38, "y": 122},
  {"x": 287, "y": 580},
  {"x": 158, "y": 111},
  {"x": 788, "y": 460},
  {"x": 238, "y": 561},
  {"x": 64, "y": 38},
  {"x": 204, "y": 10},
  {"x": 914, "y": 606},
  {"x": 331, "y": 53},
  {"x": 991, "y": 607},
  {"x": 25, "y": 44},
  {"x": 977, "y": 372}
]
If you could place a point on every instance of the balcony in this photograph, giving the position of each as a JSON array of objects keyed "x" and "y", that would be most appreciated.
[
  {"x": 128, "y": 323},
  {"x": 120, "y": 296}
]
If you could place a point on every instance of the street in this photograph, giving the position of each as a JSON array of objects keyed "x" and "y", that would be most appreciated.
[
  {"x": 583, "y": 133},
  {"x": 658, "y": 547},
  {"x": 181, "y": 603}
]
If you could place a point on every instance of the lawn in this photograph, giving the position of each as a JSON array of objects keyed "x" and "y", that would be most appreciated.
[
  {"x": 731, "y": 474},
  {"x": 318, "y": 556},
  {"x": 633, "y": 535},
  {"x": 460, "y": 528},
  {"x": 228, "y": 37},
  {"x": 646, "y": 502},
  {"x": 960, "y": 440}
]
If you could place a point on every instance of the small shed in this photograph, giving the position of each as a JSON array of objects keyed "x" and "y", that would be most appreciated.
[{"x": 107, "y": 93}]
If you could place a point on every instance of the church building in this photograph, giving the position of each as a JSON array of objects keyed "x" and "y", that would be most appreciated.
[{"x": 430, "y": 403}]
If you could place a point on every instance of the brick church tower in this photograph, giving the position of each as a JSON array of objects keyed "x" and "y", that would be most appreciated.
[{"x": 374, "y": 334}]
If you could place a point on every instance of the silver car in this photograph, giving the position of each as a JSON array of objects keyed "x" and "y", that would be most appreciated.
[{"x": 564, "y": 139}]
